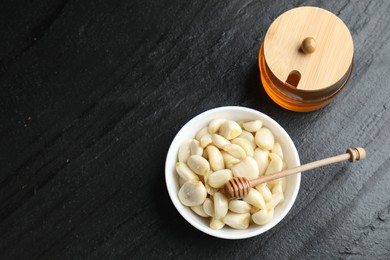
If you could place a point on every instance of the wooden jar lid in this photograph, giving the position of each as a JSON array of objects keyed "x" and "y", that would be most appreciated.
[{"x": 310, "y": 43}]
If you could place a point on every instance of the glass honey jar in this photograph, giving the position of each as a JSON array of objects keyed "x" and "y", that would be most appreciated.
[{"x": 306, "y": 58}]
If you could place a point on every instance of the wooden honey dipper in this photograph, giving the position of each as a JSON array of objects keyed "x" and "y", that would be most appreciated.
[{"x": 239, "y": 187}]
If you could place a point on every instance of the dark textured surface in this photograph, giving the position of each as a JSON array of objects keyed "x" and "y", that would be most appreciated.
[{"x": 93, "y": 93}]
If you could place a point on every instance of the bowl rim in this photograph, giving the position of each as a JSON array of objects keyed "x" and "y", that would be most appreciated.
[{"x": 216, "y": 233}]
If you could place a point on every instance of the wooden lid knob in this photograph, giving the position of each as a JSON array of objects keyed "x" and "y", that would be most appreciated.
[{"x": 308, "y": 45}]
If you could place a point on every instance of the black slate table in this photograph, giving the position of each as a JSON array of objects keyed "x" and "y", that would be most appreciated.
[{"x": 93, "y": 92}]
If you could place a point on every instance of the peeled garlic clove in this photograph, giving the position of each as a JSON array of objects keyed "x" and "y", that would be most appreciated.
[
  {"x": 262, "y": 159},
  {"x": 221, "y": 205},
  {"x": 236, "y": 220},
  {"x": 265, "y": 139},
  {"x": 184, "y": 151},
  {"x": 219, "y": 178},
  {"x": 239, "y": 206},
  {"x": 235, "y": 150},
  {"x": 276, "y": 199},
  {"x": 253, "y": 126},
  {"x": 219, "y": 141},
  {"x": 244, "y": 144},
  {"x": 199, "y": 210},
  {"x": 192, "y": 193},
  {"x": 277, "y": 188},
  {"x": 205, "y": 140},
  {"x": 278, "y": 150},
  {"x": 248, "y": 136},
  {"x": 215, "y": 124},
  {"x": 215, "y": 158},
  {"x": 264, "y": 191},
  {"x": 230, "y": 129},
  {"x": 246, "y": 168},
  {"x": 198, "y": 164},
  {"x": 208, "y": 207},
  {"x": 216, "y": 224},
  {"x": 201, "y": 133},
  {"x": 185, "y": 172},
  {"x": 229, "y": 159},
  {"x": 195, "y": 148},
  {"x": 263, "y": 216},
  {"x": 255, "y": 199},
  {"x": 275, "y": 165}
]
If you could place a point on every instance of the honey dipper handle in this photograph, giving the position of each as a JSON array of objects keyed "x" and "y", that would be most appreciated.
[{"x": 352, "y": 154}]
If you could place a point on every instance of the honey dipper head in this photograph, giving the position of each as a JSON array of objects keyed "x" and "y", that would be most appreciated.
[{"x": 237, "y": 188}]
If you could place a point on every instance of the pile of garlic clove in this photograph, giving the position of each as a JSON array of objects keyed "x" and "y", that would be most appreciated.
[{"x": 223, "y": 150}]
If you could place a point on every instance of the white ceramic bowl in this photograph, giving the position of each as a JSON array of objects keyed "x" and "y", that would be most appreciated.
[{"x": 234, "y": 113}]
